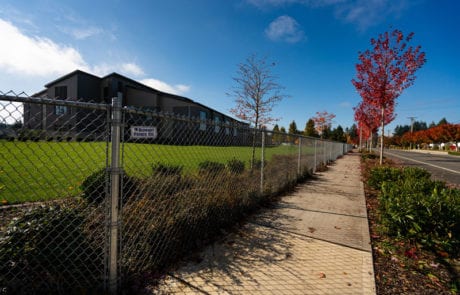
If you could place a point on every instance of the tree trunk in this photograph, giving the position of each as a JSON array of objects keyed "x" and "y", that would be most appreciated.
[
  {"x": 360, "y": 138},
  {"x": 383, "y": 132},
  {"x": 253, "y": 149}
]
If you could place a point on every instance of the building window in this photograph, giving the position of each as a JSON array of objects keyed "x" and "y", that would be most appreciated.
[
  {"x": 216, "y": 124},
  {"x": 60, "y": 110},
  {"x": 235, "y": 131},
  {"x": 203, "y": 121},
  {"x": 227, "y": 129},
  {"x": 60, "y": 92}
]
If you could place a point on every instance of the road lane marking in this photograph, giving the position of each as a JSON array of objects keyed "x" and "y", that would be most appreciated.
[{"x": 417, "y": 161}]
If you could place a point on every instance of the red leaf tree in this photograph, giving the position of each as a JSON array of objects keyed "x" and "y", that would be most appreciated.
[
  {"x": 385, "y": 71},
  {"x": 322, "y": 121},
  {"x": 368, "y": 118}
]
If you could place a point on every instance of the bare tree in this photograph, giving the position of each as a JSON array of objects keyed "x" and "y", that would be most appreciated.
[{"x": 256, "y": 92}]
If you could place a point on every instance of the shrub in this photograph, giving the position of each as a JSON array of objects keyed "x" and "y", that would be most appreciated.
[
  {"x": 47, "y": 249},
  {"x": 379, "y": 175},
  {"x": 94, "y": 186},
  {"x": 166, "y": 169},
  {"x": 162, "y": 185},
  {"x": 235, "y": 166},
  {"x": 210, "y": 167},
  {"x": 367, "y": 155},
  {"x": 426, "y": 212},
  {"x": 382, "y": 174},
  {"x": 416, "y": 173}
]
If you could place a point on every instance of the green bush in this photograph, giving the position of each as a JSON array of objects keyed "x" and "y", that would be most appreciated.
[
  {"x": 367, "y": 155},
  {"x": 166, "y": 169},
  {"x": 210, "y": 167},
  {"x": 47, "y": 249},
  {"x": 94, "y": 186},
  {"x": 235, "y": 166},
  {"x": 382, "y": 174},
  {"x": 413, "y": 207}
]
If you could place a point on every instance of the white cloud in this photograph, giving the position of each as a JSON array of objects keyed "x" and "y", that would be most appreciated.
[
  {"x": 263, "y": 4},
  {"x": 42, "y": 59},
  {"x": 268, "y": 3},
  {"x": 367, "y": 13},
  {"x": 84, "y": 33},
  {"x": 363, "y": 13},
  {"x": 345, "y": 104},
  {"x": 35, "y": 56},
  {"x": 286, "y": 29},
  {"x": 165, "y": 87},
  {"x": 132, "y": 69},
  {"x": 128, "y": 69}
]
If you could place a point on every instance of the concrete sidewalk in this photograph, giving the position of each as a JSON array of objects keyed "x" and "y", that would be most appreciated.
[{"x": 315, "y": 241}]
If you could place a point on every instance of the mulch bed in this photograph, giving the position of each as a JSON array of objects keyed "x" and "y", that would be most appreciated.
[{"x": 401, "y": 267}]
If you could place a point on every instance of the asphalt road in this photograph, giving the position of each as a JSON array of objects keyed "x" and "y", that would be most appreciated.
[{"x": 441, "y": 167}]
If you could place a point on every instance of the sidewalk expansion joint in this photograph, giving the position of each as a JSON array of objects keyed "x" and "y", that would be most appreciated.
[
  {"x": 311, "y": 237},
  {"x": 319, "y": 211},
  {"x": 188, "y": 284}
]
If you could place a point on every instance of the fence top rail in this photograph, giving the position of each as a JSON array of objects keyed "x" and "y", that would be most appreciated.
[
  {"x": 41, "y": 100},
  {"x": 184, "y": 118}
]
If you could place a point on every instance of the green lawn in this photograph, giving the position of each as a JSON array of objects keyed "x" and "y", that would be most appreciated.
[{"x": 32, "y": 171}]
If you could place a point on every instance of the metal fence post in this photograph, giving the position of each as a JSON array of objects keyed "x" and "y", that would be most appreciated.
[
  {"x": 262, "y": 156},
  {"x": 314, "y": 165},
  {"x": 115, "y": 195},
  {"x": 325, "y": 153},
  {"x": 299, "y": 168}
]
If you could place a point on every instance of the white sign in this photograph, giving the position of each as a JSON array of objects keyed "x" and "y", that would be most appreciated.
[{"x": 143, "y": 132}]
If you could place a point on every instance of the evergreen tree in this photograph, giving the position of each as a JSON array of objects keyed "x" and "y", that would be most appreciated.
[
  {"x": 442, "y": 122},
  {"x": 310, "y": 129},
  {"x": 326, "y": 132},
  {"x": 277, "y": 137},
  {"x": 283, "y": 134},
  {"x": 293, "y": 130},
  {"x": 337, "y": 134},
  {"x": 353, "y": 133}
]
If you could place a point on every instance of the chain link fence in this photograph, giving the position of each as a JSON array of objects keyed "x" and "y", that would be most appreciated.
[{"x": 95, "y": 197}]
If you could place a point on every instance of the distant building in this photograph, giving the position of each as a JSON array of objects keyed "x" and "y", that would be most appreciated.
[{"x": 84, "y": 87}]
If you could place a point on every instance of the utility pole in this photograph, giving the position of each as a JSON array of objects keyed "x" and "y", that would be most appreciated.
[{"x": 412, "y": 119}]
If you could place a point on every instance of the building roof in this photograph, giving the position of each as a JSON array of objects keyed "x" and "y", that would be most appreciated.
[
  {"x": 136, "y": 83},
  {"x": 70, "y": 75}
]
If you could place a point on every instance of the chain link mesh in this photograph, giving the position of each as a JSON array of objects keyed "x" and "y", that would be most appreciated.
[
  {"x": 182, "y": 181},
  {"x": 52, "y": 235}
]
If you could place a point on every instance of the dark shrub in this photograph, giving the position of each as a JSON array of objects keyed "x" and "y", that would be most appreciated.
[
  {"x": 210, "y": 167},
  {"x": 257, "y": 164},
  {"x": 235, "y": 166},
  {"x": 47, "y": 250},
  {"x": 94, "y": 186},
  {"x": 166, "y": 169},
  {"x": 370, "y": 156}
]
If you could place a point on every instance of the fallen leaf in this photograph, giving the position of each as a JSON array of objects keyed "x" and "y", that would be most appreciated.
[
  {"x": 443, "y": 254},
  {"x": 336, "y": 227},
  {"x": 322, "y": 275},
  {"x": 311, "y": 229}
]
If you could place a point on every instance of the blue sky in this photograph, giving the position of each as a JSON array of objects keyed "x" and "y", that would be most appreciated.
[{"x": 192, "y": 48}]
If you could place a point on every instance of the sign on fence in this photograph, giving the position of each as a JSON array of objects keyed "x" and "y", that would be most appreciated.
[{"x": 143, "y": 132}]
